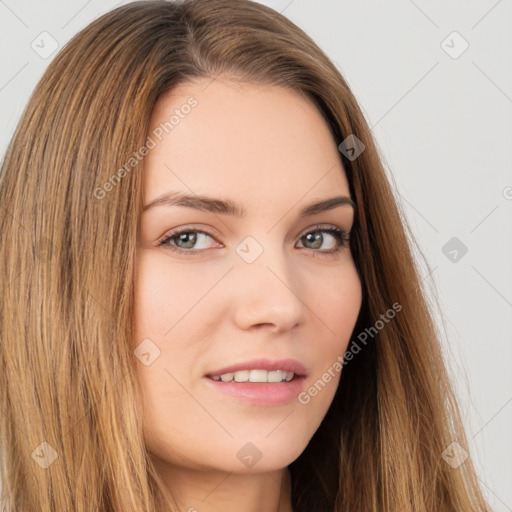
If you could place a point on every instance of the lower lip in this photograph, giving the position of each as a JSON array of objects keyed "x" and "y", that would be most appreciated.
[{"x": 261, "y": 393}]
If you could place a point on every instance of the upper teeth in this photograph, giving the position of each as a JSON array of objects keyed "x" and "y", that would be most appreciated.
[{"x": 256, "y": 376}]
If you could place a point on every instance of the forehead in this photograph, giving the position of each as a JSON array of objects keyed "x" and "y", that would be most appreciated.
[{"x": 226, "y": 137}]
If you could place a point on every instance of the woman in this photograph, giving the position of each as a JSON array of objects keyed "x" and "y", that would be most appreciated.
[{"x": 283, "y": 358}]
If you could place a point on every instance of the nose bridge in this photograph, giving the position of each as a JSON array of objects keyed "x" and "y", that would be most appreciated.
[{"x": 267, "y": 286}]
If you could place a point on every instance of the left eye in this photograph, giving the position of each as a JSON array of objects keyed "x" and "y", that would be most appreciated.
[
  {"x": 190, "y": 237},
  {"x": 316, "y": 238}
]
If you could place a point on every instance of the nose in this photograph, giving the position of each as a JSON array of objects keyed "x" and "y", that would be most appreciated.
[{"x": 268, "y": 293}]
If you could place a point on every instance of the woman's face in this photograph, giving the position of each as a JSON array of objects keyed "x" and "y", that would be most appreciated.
[{"x": 257, "y": 286}]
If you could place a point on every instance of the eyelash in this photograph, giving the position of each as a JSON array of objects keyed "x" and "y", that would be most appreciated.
[{"x": 341, "y": 236}]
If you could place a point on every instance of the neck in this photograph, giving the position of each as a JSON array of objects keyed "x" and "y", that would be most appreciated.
[{"x": 211, "y": 491}]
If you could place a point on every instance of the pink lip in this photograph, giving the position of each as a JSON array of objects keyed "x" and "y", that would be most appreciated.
[
  {"x": 288, "y": 365},
  {"x": 260, "y": 393}
]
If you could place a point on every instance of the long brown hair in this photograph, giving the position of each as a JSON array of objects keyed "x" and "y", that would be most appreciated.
[{"x": 70, "y": 403}]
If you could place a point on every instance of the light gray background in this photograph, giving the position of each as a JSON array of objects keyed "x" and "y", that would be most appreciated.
[{"x": 444, "y": 126}]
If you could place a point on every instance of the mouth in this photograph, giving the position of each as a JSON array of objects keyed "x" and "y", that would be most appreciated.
[
  {"x": 256, "y": 376},
  {"x": 261, "y": 393},
  {"x": 260, "y": 370},
  {"x": 260, "y": 381}
]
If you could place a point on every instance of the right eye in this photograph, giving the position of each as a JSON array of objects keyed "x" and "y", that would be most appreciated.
[{"x": 188, "y": 237}]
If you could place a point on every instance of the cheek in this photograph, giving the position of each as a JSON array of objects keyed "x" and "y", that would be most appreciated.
[
  {"x": 335, "y": 307},
  {"x": 335, "y": 300},
  {"x": 166, "y": 296}
]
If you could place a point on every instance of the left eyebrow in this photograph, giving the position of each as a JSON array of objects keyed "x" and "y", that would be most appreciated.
[{"x": 228, "y": 207}]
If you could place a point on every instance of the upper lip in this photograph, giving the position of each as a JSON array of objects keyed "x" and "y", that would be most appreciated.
[{"x": 288, "y": 365}]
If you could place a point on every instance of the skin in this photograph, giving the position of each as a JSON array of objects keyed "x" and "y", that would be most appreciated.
[{"x": 270, "y": 149}]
